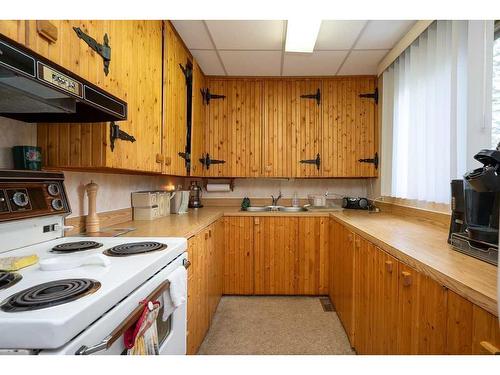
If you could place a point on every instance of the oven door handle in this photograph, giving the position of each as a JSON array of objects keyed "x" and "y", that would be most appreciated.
[{"x": 126, "y": 324}]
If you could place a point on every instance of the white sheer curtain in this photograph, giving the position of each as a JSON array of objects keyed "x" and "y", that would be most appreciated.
[{"x": 426, "y": 108}]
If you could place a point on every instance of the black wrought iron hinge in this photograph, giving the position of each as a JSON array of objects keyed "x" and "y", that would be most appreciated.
[
  {"x": 207, "y": 96},
  {"x": 117, "y": 133},
  {"x": 188, "y": 72},
  {"x": 316, "y": 161},
  {"x": 316, "y": 96},
  {"x": 372, "y": 95},
  {"x": 373, "y": 161},
  {"x": 207, "y": 161},
  {"x": 103, "y": 50}
]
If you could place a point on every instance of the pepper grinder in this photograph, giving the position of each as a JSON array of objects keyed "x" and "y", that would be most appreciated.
[{"x": 92, "y": 220}]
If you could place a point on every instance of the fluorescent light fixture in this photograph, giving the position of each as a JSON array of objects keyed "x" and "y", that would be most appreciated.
[{"x": 301, "y": 35}]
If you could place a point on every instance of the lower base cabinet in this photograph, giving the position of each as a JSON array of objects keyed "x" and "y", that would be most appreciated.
[
  {"x": 398, "y": 310},
  {"x": 205, "y": 277}
]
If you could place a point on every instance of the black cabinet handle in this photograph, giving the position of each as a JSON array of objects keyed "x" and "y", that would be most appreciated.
[
  {"x": 207, "y": 96},
  {"x": 373, "y": 160},
  {"x": 116, "y": 133},
  {"x": 316, "y": 161},
  {"x": 316, "y": 96},
  {"x": 207, "y": 161},
  {"x": 372, "y": 95},
  {"x": 103, "y": 50}
]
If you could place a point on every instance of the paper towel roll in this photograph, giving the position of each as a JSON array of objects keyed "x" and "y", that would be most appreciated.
[{"x": 218, "y": 187}]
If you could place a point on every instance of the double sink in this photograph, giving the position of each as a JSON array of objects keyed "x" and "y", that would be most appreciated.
[{"x": 274, "y": 208}]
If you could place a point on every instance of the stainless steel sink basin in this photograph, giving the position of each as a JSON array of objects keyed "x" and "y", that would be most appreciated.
[
  {"x": 258, "y": 209},
  {"x": 291, "y": 209}
]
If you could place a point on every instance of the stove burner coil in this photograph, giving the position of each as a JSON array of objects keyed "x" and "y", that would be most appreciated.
[
  {"x": 71, "y": 247},
  {"x": 7, "y": 279},
  {"x": 134, "y": 248},
  {"x": 50, "y": 294}
]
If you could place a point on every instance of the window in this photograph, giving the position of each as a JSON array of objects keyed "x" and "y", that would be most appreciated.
[
  {"x": 495, "y": 124},
  {"x": 436, "y": 112}
]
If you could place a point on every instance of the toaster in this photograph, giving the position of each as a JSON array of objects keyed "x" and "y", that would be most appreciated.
[{"x": 355, "y": 203}]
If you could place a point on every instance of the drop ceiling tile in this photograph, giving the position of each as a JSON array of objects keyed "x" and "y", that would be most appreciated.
[
  {"x": 362, "y": 62},
  {"x": 208, "y": 61},
  {"x": 383, "y": 34},
  {"x": 194, "y": 34},
  {"x": 338, "y": 34},
  {"x": 247, "y": 35},
  {"x": 318, "y": 63},
  {"x": 252, "y": 63}
]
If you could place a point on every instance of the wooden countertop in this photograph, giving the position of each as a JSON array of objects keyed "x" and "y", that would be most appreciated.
[{"x": 420, "y": 243}]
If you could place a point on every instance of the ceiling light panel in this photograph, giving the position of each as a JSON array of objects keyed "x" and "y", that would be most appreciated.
[{"x": 301, "y": 35}]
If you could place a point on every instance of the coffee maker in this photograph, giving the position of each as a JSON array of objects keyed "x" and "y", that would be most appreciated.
[{"x": 475, "y": 203}]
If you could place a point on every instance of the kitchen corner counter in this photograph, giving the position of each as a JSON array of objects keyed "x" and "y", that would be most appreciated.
[{"x": 422, "y": 244}]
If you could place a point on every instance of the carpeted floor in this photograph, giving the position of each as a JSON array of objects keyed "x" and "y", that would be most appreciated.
[{"x": 274, "y": 325}]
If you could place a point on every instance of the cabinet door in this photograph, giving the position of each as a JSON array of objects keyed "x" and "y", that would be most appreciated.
[
  {"x": 234, "y": 128},
  {"x": 364, "y": 295},
  {"x": 291, "y": 256},
  {"x": 458, "y": 325},
  {"x": 239, "y": 255},
  {"x": 291, "y": 128},
  {"x": 422, "y": 314},
  {"x": 198, "y": 125},
  {"x": 193, "y": 297},
  {"x": 345, "y": 309},
  {"x": 349, "y": 127},
  {"x": 485, "y": 332},
  {"x": 175, "y": 103},
  {"x": 137, "y": 80},
  {"x": 14, "y": 30},
  {"x": 385, "y": 308}
]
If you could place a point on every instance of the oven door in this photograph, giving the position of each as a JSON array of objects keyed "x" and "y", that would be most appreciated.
[{"x": 105, "y": 336}]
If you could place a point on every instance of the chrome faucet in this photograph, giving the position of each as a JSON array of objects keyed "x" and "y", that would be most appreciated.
[{"x": 275, "y": 200}]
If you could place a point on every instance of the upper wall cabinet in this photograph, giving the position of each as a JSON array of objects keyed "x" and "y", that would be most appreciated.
[
  {"x": 292, "y": 124},
  {"x": 134, "y": 75},
  {"x": 177, "y": 63},
  {"x": 15, "y": 30},
  {"x": 233, "y": 132},
  {"x": 349, "y": 127}
]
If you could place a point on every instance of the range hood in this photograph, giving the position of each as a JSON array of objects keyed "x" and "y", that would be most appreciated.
[{"x": 32, "y": 89}]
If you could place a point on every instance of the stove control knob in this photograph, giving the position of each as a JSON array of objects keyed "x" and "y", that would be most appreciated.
[
  {"x": 53, "y": 189},
  {"x": 20, "y": 199},
  {"x": 57, "y": 204}
]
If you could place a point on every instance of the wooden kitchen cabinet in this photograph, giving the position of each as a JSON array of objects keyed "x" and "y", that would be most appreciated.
[
  {"x": 239, "y": 255},
  {"x": 14, "y": 30},
  {"x": 135, "y": 76},
  {"x": 349, "y": 127},
  {"x": 291, "y": 255},
  {"x": 198, "y": 137},
  {"x": 342, "y": 275},
  {"x": 422, "y": 315},
  {"x": 291, "y": 127},
  {"x": 485, "y": 332},
  {"x": 205, "y": 250},
  {"x": 174, "y": 102},
  {"x": 233, "y": 132}
]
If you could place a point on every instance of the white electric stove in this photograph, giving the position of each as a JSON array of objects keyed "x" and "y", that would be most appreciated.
[{"x": 84, "y": 292}]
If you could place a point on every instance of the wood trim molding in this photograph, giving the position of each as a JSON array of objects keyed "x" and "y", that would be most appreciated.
[
  {"x": 409, "y": 38},
  {"x": 107, "y": 219},
  {"x": 437, "y": 212}
]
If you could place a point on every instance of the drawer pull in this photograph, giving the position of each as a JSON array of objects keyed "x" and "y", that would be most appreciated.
[
  {"x": 490, "y": 348},
  {"x": 406, "y": 278},
  {"x": 388, "y": 266},
  {"x": 210, "y": 233}
]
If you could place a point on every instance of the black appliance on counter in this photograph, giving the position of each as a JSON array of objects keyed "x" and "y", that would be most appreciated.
[
  {"x": 475, "y": 203},
  {"x": 355, "y": 203}
]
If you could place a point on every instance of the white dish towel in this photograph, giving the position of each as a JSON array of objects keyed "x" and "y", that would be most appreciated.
[{"x": 176, "y": 295}]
